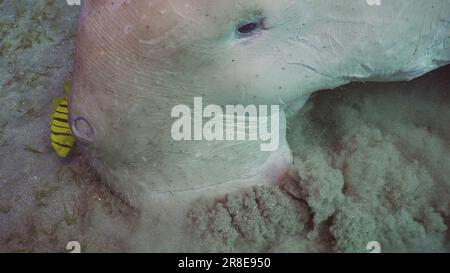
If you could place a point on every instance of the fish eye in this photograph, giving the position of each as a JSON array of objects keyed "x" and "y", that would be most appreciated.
[{"x": 248, "y": 29}]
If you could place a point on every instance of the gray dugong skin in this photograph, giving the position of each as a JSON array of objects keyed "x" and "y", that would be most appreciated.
[{"x": 136, "y": 60}]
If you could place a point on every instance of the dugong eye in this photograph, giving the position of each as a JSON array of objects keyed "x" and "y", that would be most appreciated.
[{"x": 248, "y": 29}]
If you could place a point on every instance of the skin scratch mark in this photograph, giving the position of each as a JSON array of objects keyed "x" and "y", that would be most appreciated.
[{"x": 420, "y": 35}]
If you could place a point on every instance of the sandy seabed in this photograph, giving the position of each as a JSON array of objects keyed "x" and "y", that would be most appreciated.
[{"x": 372, "y": 160}]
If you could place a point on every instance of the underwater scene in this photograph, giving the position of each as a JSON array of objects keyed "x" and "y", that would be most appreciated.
[{"x": 225, "y": 126}]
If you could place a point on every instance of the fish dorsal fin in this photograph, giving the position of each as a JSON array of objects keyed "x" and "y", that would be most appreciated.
[
  {"x": 67, "y": 86},
  {"x": 57, "y": 101}
]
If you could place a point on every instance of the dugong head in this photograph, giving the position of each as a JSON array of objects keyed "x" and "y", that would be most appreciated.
[{"x": 136, "y": 60}]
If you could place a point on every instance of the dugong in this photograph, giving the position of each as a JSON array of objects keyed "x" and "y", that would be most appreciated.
[{"x": 137, "y": 60}]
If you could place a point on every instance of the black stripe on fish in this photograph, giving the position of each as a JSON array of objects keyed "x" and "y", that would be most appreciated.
[
  {"x": 63, "y": 127},
  {"x": 60, "y": 134},
  {"x": 61, "y": 119},
  {"x": 62, "y": 145}
]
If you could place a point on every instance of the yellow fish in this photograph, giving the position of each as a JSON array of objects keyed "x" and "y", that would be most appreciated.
[{"x": 61, "y": 136}]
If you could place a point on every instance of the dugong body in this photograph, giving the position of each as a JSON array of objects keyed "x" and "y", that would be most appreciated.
[{"x": 137, "y": 60}]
